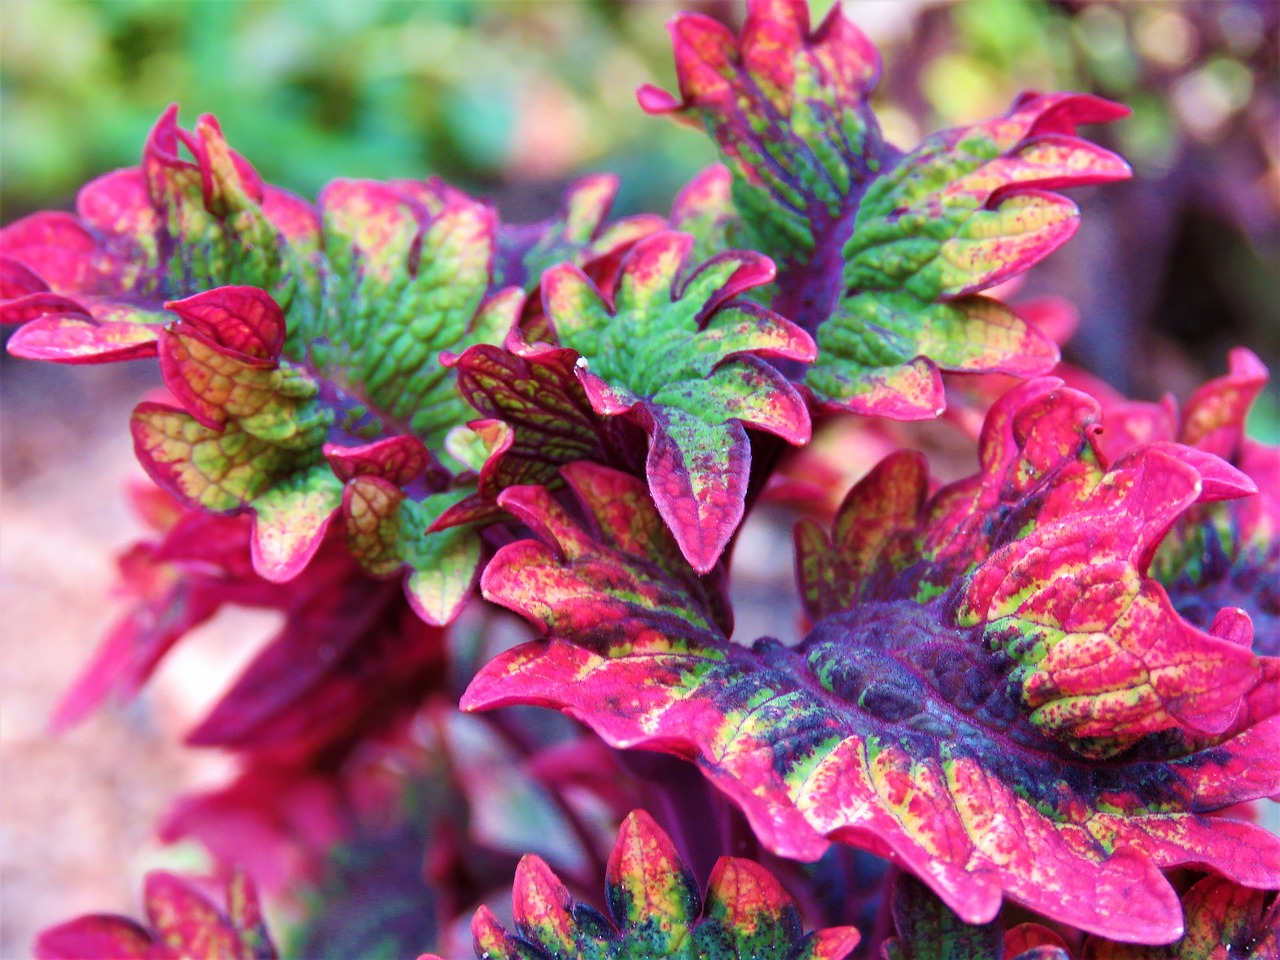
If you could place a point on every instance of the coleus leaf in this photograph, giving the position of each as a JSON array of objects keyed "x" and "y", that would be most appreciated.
[
  {"x": 91, "y": 288},
  {"x": 880, "y": 254},
  {"x": 1224, "y": 922},
  {"x": 362, "y": 294},
  {"x": 170, "y": 596},
  {"x": 409, "y": 274},
  {"x": 1225, "y": 554},
  {"x": 927, "y": 930},
  {"x": 704, "y": 208},
  {"x": 388, "y": 530},
  {"x": 685, "y": 362},
  {"x": 351, "y": 658},
  {"x": 656, "y": 910},
  {"x": 996, "y": 694},
  {"x": 538, "y": 417},
  {"x": 253, "y": 436},
  {"x": 181, "y": 923}
]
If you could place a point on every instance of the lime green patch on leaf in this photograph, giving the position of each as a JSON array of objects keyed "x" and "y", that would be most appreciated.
[
  {"x": 684, "y": 361},
  {"x": 655, "y": 909}
]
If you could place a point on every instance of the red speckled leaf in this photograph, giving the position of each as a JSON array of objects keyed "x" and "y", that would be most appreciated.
[
  {"x": 1220, "y": 555},
  {"x": 831, "y": 570},
  {"x": 656, "y": 910},
  {"x": 1224, "y": 922},
  {"x": 539, "y": 418},
  {"x": 683, "y": 360},
  {"x": 1000, "y": 723},
  {"x": 183, "y": 924},
  {"x": 879, "y": 253},
  {"x": 148, "y": 234}
]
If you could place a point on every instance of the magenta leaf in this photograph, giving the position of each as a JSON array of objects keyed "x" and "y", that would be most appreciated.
[
  {"x": 181, "y": 923},
  {"x": 656, "y": 910},
  {"x": 1221, "y": 554},
  {"x": 1224, "y": 922},
  {"x": 704, "y": 208},
  {"x": 350, "y": 656},
  {"x": 685, "y": 362},
  {"x": 880, "y": 254},
  {"x": 175, "y": 583},
  {"x": 996, "y": 693}
]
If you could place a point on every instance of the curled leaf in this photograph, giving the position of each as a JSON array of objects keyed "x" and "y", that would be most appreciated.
[
  {"x": 1222, "y": 554},
  {"x": 880, "y": 253},
  {"x": 1004, "y": 710},
  {"x": 685, "y": 361},
  {"x": 1224, "y": 922},
  {"x": 90, "y": 288}
]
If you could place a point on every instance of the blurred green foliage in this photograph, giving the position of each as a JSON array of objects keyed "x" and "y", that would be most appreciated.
[{"x": 478, "y": 92}]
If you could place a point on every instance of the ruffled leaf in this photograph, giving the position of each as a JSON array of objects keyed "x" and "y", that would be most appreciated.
[
  {"x": 253, "y": 436},
  {"x": 537, "y": 418},
  {"x": 879, "y": 254},
  {"x": 1224, "y": 922},
  {"x": 656, "y": 910},
  {"x": 338, "y": 339},
  {"x": 683, "y": 360},
  {"x": 1004, "y": 701},
  {"x": 92, "y": 286},
  {"x": 181, "y": 923},
  {"x": 1227, "y": 554},
  {"x": 409, "y": 275}
]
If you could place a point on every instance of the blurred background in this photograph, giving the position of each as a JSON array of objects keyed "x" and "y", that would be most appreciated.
[{"x": 511, "y": 100}]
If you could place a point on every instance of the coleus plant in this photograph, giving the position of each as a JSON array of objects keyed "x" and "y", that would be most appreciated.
[{"x": 1049, "y": 689}]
